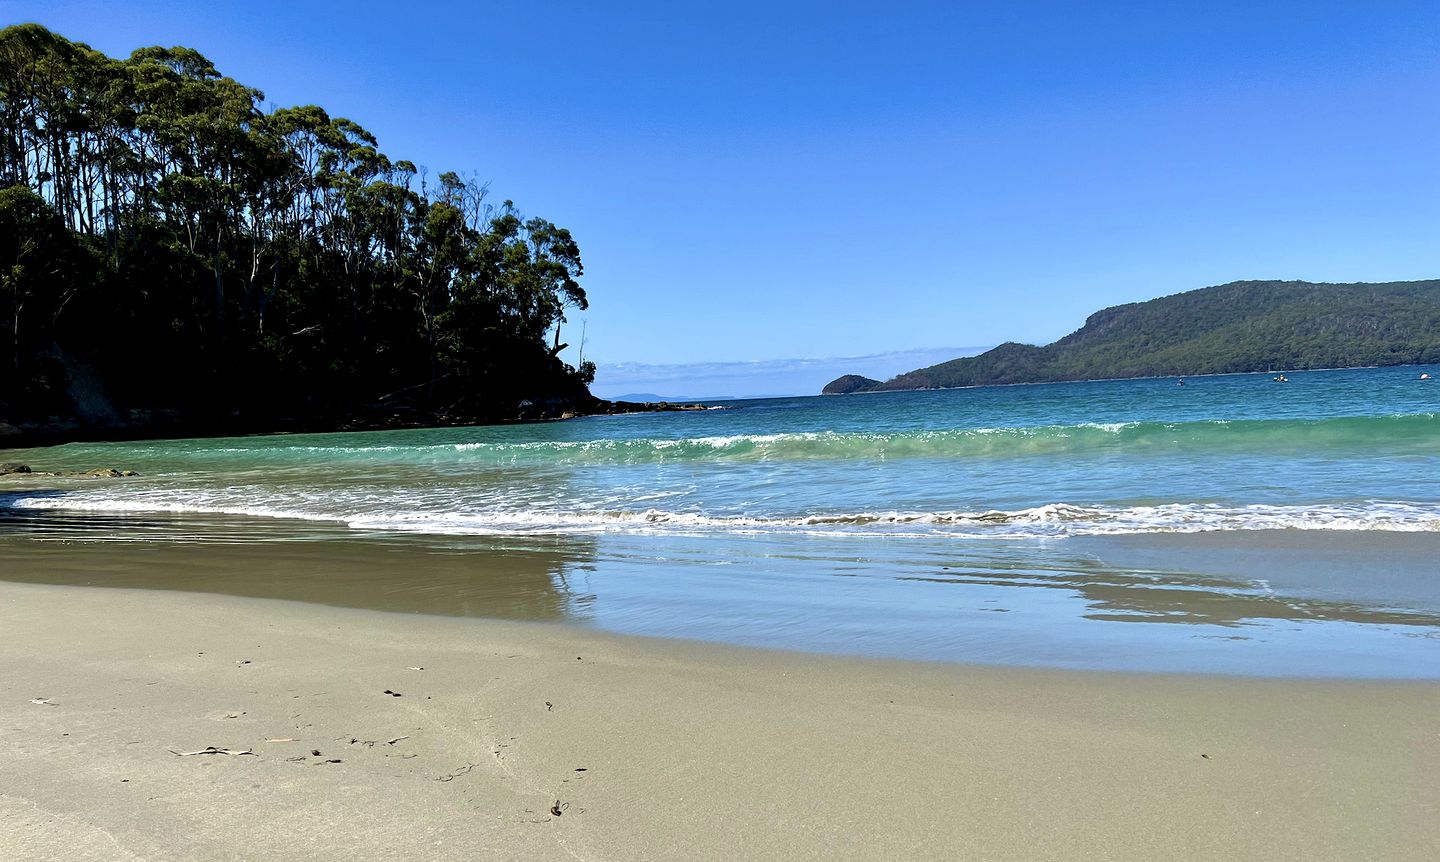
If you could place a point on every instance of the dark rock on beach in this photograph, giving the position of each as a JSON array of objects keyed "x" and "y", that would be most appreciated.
[{"x": 12, "y": 469}]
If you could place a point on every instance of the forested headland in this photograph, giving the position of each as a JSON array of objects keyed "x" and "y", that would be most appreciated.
[
  {"x": 1231, "y": 328},
  {"x": 174, "y": 256}
]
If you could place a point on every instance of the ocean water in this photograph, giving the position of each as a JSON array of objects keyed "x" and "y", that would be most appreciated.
[{"x": 1258, "y": 526}]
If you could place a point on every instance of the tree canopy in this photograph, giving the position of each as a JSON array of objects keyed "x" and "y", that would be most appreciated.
[{"x": 205, "y": 253}]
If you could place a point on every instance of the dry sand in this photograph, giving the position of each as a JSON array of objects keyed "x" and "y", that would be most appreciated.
[{"x": 688, "y": 751}]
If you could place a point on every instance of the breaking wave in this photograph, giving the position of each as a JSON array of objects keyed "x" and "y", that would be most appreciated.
[
  {"x": 1052, "y": 520},
  {"x": 1400, "y": 433}
]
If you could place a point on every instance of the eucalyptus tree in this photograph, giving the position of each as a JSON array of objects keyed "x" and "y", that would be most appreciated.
[{"x": 280, "y": 256}]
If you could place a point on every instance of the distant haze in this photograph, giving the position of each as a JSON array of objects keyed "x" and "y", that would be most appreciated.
[{"x": 761, "y": 378}]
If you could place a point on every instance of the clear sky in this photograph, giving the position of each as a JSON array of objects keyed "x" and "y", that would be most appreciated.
[{"x": 763, "y": 181}]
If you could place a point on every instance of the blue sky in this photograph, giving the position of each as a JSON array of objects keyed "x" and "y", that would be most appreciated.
[{"x": 764, "y": 181}]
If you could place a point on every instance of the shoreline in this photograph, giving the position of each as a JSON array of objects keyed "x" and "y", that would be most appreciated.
[
  {"x": 35, "y": 435},
  {"x": 659, "y": 749},
  {"x": 1179, "y": 603}
]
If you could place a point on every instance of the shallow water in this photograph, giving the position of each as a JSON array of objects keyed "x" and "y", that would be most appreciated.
[{"x": 1253, "y": 526}]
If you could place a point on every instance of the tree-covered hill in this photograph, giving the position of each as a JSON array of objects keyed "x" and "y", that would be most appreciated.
[
  {"x": 1231, "y": 328},
  {"x": 172, "y": 251},
  {"x": 849, "y": 383}
]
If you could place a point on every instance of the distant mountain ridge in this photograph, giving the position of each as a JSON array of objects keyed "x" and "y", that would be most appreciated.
[
  {"x": 1231, "y": 328},
  {"x": 652, "y": 398}
]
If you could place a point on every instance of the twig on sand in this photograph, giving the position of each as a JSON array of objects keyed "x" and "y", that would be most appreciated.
[
  {"x": 371, "y": 743},
  {"x": 210, "y": 749},
  {"x": 457, "y": 773}
]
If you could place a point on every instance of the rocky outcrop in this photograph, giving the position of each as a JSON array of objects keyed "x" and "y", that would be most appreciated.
[
  {"x": 615, "y": 408},
  {"x": 848, "y": 384},
  {"x": 86, "y": 390}
]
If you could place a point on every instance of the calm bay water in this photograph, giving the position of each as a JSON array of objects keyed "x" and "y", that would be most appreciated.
[{"x": 1259, "y": 527}]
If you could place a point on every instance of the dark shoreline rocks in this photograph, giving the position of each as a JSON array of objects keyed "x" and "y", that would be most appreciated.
[
  {"x": 14, "y": 469},
  {"x": 171, "y": 424}
]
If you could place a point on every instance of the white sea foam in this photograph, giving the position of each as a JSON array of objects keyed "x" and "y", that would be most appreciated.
[{"x": 1051, "y": 520}]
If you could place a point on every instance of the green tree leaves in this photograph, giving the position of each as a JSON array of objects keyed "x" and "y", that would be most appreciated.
[{"x": 268, "y": 260}]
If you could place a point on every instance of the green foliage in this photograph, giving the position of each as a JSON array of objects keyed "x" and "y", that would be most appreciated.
[
  {"x": 42, "y": 265},
  {"x": 1240, "y": 327},
  {"x": 849, "y": 383},
  {"x": 205, "y": 253}
]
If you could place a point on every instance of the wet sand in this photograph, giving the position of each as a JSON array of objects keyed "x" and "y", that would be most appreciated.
[
  {"x": 688, "y": 751},
  {"x": 1283, "y": 604},
  {"x": 1376, "y": 569}
]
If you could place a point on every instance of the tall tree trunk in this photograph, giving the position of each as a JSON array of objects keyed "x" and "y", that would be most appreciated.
[{"x": 219, "y": 287}]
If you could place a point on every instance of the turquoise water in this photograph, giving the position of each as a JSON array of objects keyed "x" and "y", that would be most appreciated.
[{"x": 1031, "y": 491}]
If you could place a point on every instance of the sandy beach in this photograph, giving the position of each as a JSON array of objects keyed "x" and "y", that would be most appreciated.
[
  {"x": 657, "y": 749},
  {"x": 450, "y": 454}
]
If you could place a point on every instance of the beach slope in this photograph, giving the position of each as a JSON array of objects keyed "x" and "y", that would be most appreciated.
[{"x": 444, "y": 738}]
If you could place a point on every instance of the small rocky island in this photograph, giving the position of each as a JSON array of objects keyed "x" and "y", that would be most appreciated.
[{"x": 849, "y": 383}]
